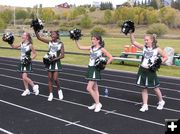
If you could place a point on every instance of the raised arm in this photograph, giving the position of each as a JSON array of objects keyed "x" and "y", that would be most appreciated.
[
  {"x": 14, "y": 46},
  {"x": 133, "y": 41},
  {"x": 40, "y": 38},
  {"x": 81, "y": 47}
]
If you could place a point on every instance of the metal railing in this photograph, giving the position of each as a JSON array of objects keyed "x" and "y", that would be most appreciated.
[{"x": 39, "y": 50}]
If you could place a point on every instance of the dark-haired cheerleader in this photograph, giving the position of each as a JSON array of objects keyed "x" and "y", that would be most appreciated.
[
  {"x": 94, "y": 74},
  {"x": 56, "y": 52}
]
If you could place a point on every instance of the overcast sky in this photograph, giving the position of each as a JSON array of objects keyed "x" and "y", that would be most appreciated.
[{"x": 52, "y": 3}]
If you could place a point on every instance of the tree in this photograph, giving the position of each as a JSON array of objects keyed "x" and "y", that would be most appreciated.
[
  {"x": 176, "y": 4},
  {"x": 2, "y": 24},
  {"x": 124, "y": 13},
  {"x": 76, "y": 12},
  {"x": 79, "y": 11},
  {"x": 21, "y": 14},
  {"x": 85, "y": 21},
  {"x": 153, "y": 3},
  {"x": 98, "y": 30},
  {"x": 6, "y": 15},
  {"x": 108, "y": 16},
  {"x": 151, "y": 16},
  {"x": 48, "y": 15},
  {"x": 157, "y": 28},
  {"x": 106, "y": 5},
  {"x": 167, "y": 16}
]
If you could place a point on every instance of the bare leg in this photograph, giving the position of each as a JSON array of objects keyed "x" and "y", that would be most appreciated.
[
  {"x": 92, "y": 91},
  {"x": 158, "y": 94},
  {"x": 145, "y": 100},
  {"x": 50, "y": 81},
  {"x": 95, "y": 87},
  {"x": 145, "y": 96},
  {"x": 55, "y": 78},
  {"x": 27, "y": 80}
]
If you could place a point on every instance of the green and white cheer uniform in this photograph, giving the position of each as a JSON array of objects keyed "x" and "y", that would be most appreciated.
[
  {"x": 147, "y": 78},
  {"x": 55, "y": 50},
  {"x": 93, "y": 73},
  {"x": 25, "y": 52}
]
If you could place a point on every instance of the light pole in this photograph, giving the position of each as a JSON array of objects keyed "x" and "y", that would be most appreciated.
[{"x": 14, "y": 16}]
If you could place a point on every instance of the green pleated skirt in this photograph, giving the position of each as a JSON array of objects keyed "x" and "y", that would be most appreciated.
[
  {"x": 93, "y": 74},
  {"x": 54, "y": 66},
  {"x": 24, "y": 68},
  {"x": 147, "y": 78}
]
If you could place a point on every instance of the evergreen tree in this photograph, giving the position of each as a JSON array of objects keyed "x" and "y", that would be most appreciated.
[
  {"x": 135, "y": 4},
  {"x": 149, "y": 1},
  {"x": 154, "y": 4},
  {"x": 106, "y": 5},
  {"x": 175, "y": 4}
]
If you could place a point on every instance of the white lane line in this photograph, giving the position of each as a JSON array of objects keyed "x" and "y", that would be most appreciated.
[
  {"x": 15, "y": 60},
  {"x": 138, "y": 103},
  {"x": 78, "y": 104},
  {"x": 5, "y": 131},
  {"x": 113, "y": 98},
  {"x": 162, "y": 88},
  {"x": 102, "y": 74},
  {"x": 118, "y": 89},
  {"x": 72, "y": 123},
  {"x": 53, "y": 117},
  {"x": 110, "y": 112}
]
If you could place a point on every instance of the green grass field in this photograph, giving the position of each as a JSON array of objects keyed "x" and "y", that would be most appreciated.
[{"x": 114, "y": 45}]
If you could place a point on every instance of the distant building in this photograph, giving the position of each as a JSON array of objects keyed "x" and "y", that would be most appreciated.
[
  {"x": 167, "y": 2},
  {"x": 126, "y": 4},
  {"x": 96, "y": 4},
  {"x": 63, "y": 5}
]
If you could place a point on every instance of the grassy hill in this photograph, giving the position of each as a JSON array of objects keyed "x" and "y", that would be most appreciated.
[{"x": 97, "y": 17}]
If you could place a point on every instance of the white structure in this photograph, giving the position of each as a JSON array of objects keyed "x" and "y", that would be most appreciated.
[
  {"x": 96, "y": 4},
  {"x": 167, "y": 2}
]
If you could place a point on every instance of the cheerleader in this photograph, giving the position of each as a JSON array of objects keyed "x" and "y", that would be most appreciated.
[
  {"x": 94, "y": 74},
  {"x": 147, "y": 78},
  {"x": 56, "y": 52},
  {"x": 25, "y": 66}
]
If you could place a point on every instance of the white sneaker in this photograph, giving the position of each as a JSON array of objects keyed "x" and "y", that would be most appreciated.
[
  {"x": 60, "y": 93},
  {"x": 36, "y": 89},
  {"x": 50, "y": 97},
  {"x": 144, "y": 108},
  {"x": 26, "y": 92},
  {"x": 161, "y": 105},
  {"x": 98, "y": 107},
  {"x": 93, "y": 106}
]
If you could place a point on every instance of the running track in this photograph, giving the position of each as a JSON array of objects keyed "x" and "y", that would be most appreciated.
[{"x": 120, "y": 112}]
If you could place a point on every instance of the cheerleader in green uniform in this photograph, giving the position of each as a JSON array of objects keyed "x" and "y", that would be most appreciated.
[
  {"x": 93, "y": 74},
  {"x": 25, "y": 66},
  {"x": 56, "y": 52},
  {"x": 147, "y": 78}
]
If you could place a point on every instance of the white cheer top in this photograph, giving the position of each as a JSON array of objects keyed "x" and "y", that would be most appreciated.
[
  {"x": 94, "y": 53},
  {"x": 25, "y": 50},
  {"x": 149, "y": 56},
  {"x": 54, "y": 48}
]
